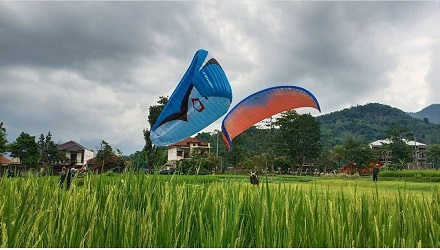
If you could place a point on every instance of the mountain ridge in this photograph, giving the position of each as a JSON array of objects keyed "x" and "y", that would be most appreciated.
[
  {"x": 370, "y": 121},
  {"x": 431, "y": 112}
]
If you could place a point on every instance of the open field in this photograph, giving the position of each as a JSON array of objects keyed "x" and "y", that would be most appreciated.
[{"x": 132, "y": 210}]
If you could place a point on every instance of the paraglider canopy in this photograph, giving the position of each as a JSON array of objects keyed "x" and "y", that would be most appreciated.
[
  {"x": 201, "y": 97},
  {"x": 262, "y": 105}
]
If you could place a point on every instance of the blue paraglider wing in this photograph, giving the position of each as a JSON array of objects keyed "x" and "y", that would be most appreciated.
[{"x": 201, "y": 97}]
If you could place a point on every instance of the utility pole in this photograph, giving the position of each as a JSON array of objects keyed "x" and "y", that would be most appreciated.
[
  {"x": 217, "y": 141},
  {"x": 216, "y": 153},
  {"x": 415, "y": 152},
  {"x": 217, "y": 132}
]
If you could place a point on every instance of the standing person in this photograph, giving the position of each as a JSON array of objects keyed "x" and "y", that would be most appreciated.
[
  {"x": 10, "y": 173},
  {"x": 63, "y": 176},
  {"x": 375, "y": 173},
  {"x": 70, "y": 174},
  {"x": 254, "y": 178}
]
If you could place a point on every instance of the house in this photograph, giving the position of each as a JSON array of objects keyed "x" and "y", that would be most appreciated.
[
  {"x": 14, "y": 164},
  {"x": 418, "y": 153},
  {"x": 185, "y": 149},
  {"x": 76, "y": 153},
  {"x": 4, "y": 164},
  {"x": 4, "y": 161}
]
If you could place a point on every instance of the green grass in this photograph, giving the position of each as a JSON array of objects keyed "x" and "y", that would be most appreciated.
[
  {"x": 412, "y": 175},
  {"x": 218, "y": 211}
]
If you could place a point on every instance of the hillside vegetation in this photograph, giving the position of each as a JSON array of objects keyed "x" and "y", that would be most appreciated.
[
  {"x": 370, "y": 121},
  {"x": 367, "y": 122},
  {"x": 432, "y": 113}
]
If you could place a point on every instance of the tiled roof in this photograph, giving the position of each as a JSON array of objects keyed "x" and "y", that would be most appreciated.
[
  {"x": 189, "y": 140},
  {"x": 15, "y": 161},
  {"x": 386, "y": 141},
  {"x": 71, "y": 146},
  {"x": 4, "y": 160}
]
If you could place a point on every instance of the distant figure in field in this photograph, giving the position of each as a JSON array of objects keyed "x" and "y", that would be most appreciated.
[
  {"x": 254, "y": 178},
  {"x": 63, "y": 176},
  {"x": 375, "y": 173},
  {"x": 10, "y": 173},
  {"x": 70, "y": 174}
]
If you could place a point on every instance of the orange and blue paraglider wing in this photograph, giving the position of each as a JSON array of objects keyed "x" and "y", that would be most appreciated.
[
  {"x": 262, "y": 105},
  {"x": 201, "y": 97}
]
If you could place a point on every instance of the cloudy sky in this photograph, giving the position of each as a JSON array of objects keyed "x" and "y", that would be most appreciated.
[{"x": 88, "y": 71}]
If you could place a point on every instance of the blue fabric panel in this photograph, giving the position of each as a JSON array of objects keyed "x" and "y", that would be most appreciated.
[
  {"x": 201, "y": 97},
  {"x": 174, "y": 102}
]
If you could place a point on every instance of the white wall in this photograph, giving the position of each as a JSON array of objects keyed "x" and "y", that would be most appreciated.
[
  {"x": 172, "y": 154},
  {"x": 88, "y": 154}
]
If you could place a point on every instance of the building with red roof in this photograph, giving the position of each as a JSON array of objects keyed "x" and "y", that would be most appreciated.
[
  {"x": 187, "y": 148},
  {"x": 4, "y": 161}
]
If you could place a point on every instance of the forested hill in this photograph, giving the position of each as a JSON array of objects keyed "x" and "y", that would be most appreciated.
[
  {"x": 432, "y": 113},
  {"x": 370, "y": 121}
]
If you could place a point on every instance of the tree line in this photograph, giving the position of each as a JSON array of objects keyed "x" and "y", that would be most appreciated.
[
  {"x": 370, "y": 121},
  {"x": 287, "y": 142},
  {"x": 284, "y": 144},
  {"x": 45, "y": 153}
]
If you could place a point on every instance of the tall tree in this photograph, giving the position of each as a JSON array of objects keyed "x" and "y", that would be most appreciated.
[
  {"x": 338, "y": 154},
  {"x": 327, "y": 159},
  {"x": 357, "y": 151},
  {"x": 400, "y": 151},
  {"x": 433, "y": 155},
  {"x": 206, "y": 137},
  {"x": 105, "y": 151},
  {"x": 3, "y": 141},
  {"x": 301, "y": 136},
  {"x": 155, "y": 110},
  {"x": 108, "y": 158},
  {"x": 49, "y": 153},
  {"x": 150, "y": 151},
  {"x": 26, "y": 149},
  {"x": 271, "y": 145},
  {"x": 238, "y": 153}
]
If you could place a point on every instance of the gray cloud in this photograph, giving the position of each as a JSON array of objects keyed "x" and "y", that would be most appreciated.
[
  {"x": 433, "y": 76},
  {"x": 88, "y": 71}
]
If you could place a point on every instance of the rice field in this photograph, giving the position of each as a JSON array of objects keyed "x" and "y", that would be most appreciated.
[{"x": 135, "y": 210}]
